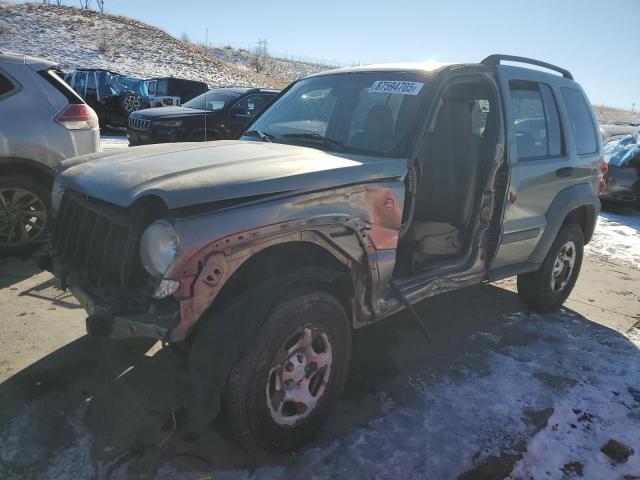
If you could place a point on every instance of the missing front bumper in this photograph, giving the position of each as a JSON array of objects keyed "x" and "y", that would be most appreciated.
[{"x": 101, "y": 322}]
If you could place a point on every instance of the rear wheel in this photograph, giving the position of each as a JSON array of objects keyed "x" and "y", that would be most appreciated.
[
  {"x": 283, "y": 388},
  {"x": 550, "y": 286},
  {"x": 25, "y": 214}
]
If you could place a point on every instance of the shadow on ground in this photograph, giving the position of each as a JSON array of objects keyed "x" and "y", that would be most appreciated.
[
  {"x": 105, "y": 409},
  {"x": 16, "y": 269}
]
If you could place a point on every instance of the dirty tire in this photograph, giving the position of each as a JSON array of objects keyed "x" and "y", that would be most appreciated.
[
  {"x": 35, "y": 192},
  {"x": 246, "y": 412},
  {"x": 535, "y": 288}
]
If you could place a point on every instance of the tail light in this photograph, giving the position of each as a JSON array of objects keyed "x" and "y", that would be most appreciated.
[
  {"x": 603, "y": 177},
  {"x": 78, "y": 116}
]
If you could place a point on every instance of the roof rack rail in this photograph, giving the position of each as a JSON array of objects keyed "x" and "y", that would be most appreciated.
[{"x": 497, "y": 58}]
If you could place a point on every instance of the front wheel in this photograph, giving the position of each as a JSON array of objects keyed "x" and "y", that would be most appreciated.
[
  {"x": 550, "y": 286},
  {"x": 283, "y": 388}
]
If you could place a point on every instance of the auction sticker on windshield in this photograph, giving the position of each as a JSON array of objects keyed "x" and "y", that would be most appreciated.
[{"x": 399, "y": 87}]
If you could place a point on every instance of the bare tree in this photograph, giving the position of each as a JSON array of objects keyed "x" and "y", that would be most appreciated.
[
  {"x": 100, "y": 5},
  {"x": 260, "y": 56},
  {"x": 184, "y": 37},
  {"x": 85, "y": 4}
]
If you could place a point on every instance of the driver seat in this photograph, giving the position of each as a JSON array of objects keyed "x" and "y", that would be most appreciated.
[{"x": 377, "y": 132}]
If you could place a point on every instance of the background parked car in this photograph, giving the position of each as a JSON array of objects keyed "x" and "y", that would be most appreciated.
[
  {"x": 113, "y": 96},
  {"x": 217, "y": 114},
  {"x": 610, "y": 130},
  {"x": 171, "y": 91},
  {"x": 43, "y": 122},
  {"x": 622, "y": 178}
]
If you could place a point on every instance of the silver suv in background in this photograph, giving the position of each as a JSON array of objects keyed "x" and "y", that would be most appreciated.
[{"x": 42, "y": 122}]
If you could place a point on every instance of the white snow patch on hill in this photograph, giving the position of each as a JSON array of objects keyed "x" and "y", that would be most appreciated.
[
  {"x": 289, "y": 70},
  {"x": 84, "y": 38}
]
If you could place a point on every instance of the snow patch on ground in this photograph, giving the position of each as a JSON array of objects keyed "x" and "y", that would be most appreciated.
[
  {"x": 113, "y": 141},
  {"x": 617, "y": 237},
  {"x": 443, "y": 426}
]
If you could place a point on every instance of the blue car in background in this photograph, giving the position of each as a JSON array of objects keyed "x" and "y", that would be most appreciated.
[
  {"x": 622, "y": 178},
  {"x": 113, "y": 96}
]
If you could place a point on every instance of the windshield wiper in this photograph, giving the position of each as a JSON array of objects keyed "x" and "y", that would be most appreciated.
[
  {"x": 329, "y": 142},
  {"x": 265, "y": 137}
]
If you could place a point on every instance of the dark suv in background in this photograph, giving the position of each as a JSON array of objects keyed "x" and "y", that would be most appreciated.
[
  {"x": 218, "y": 114},
  {"x": 172, "y": 91}
]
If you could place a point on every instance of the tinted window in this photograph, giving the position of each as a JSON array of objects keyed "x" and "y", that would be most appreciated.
[
  {"x": 151, "y": 87},
  {"x": 251, "y": 105},
  {"x": 554, "y": 131},
  {"x": 91, "y": 85},
  {"x": 5, "y": 85},
  {"x": 163, "y": 87},
  {"x": 536, "y": 120},
  {"x": 212, "y": 100},
  {"x": 581, "y": 123},
  {"x": 80, "y": 82}
]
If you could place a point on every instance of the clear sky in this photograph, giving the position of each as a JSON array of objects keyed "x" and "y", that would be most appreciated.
[{"x": 598, "y": 40}]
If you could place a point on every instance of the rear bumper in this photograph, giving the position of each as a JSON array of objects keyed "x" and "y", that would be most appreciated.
[{"x": 623, "y": 185}]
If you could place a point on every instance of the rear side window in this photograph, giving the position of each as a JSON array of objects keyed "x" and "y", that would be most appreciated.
[
  {"x": 536, "y": 120},
  {"x": 55, "y": 80},
  {"x": 5, "y": 85},
  {"x": 581, "y": 122}
]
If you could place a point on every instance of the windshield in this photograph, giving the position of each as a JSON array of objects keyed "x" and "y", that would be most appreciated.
[
  {"x": 370, "y": 113},
  {"x": 212, "y": 100}
]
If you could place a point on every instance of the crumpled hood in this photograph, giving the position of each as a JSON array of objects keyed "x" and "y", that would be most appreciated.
[{"x": 185, "y": 174}]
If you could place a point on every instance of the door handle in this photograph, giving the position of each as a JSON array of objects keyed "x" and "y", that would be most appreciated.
[{"x": 564, "y": 172}]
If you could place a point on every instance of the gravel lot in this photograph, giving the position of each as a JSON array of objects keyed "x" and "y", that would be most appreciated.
[{"x": 501, "y": 391}]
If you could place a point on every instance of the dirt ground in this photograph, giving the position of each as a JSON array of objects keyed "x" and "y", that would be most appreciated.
[{"x": 72, "y": 406}]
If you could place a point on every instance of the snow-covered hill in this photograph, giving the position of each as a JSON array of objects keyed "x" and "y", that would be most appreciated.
[
  {"x": 84, "y": 38},
  {"x": 277, "y": 67}
]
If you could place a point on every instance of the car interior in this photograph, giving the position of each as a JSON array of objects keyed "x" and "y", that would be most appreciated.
[{"x": 452, "y": 168}]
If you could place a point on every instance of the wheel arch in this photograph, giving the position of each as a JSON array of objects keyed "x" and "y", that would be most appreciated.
[
  {"x": 223, "y": 276},
  {"x": 30, "y": 168},
  {"x": 576, "y": 204},
  {"x": 318, "y": 263}
]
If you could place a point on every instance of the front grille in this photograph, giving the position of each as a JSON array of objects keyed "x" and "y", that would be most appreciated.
[
  {"x": 96, "y": 247},
  {"x": 138, "y": 123}
]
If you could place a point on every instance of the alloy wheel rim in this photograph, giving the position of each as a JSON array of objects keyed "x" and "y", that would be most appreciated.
[
  {"x": 132, "y": 104},
  {"x": 23, "y": 216},
  {"x": 299, "y": 375},
  {"x": 563, "y": 267}
]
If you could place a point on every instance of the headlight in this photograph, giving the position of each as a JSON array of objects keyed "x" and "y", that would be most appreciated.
[
  {"x": 56, "y": 195},
  {"x": 168, "y": 123},
  {"x": 158, "y": 247}
]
